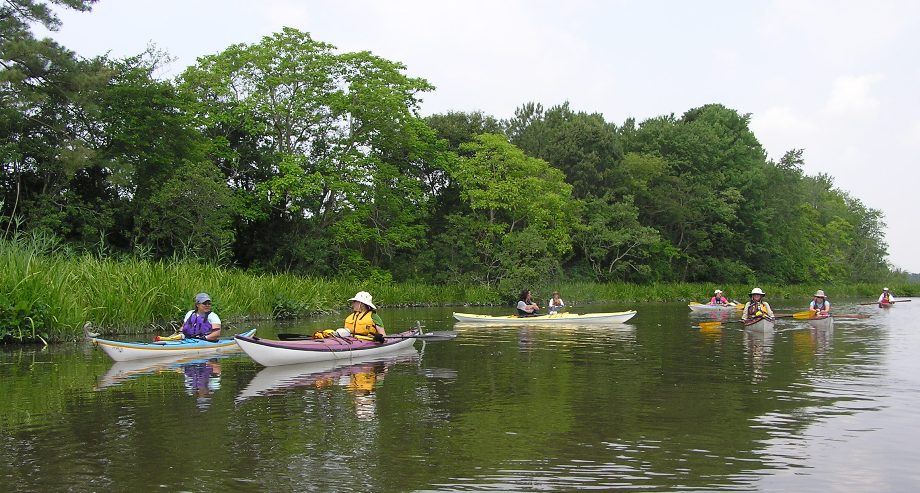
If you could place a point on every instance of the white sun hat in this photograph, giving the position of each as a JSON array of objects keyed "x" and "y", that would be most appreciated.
[
  {"x": 364, "y": 297},
  {"x": 820, "y": 294},
  {"x": 757, "y": 291}
]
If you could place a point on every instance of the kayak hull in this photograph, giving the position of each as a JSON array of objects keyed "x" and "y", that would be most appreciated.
[
  {"x": 558, "y": 318},
  {"x": 885, "y": 305},
  {"x": 823, "y": 323},
  {"x": 706, "y": 308},
  {"x": 759, "y": 324},
  {"x": 271, "y": 352},
  {"x": 129, "y": 351}
]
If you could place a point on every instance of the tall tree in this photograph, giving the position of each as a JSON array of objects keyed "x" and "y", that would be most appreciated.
[
  {"x": 519, "y": 214},
  {"x": 334, "y": 133}
]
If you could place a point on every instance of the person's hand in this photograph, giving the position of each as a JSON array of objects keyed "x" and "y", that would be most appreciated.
[{"x": 378, "y": 337}]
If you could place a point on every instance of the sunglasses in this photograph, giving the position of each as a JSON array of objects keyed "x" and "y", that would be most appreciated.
[{"x": 205, "y": 303}]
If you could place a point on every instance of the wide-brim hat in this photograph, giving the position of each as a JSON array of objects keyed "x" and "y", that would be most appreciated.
[
  {"x": 717, "y": 291},
  {"x": 364, "y": 297},
  {"x": 757, "y": 291},
  {"x": 820, "y": 294}
]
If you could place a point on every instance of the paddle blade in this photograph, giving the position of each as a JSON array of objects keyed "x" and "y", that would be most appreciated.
[
  {"x": 710, "y": 325},
  {"x": 807, "y": 314},
  {"x": 430, "y": 336}
]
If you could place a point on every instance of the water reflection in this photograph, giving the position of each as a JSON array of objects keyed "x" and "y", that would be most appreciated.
[
  {"x": 201, "y": 376},
  {"x": 358, "y": 377},
  {"x": 650, "y": 406},
  {"x": 758, "y": 348}
]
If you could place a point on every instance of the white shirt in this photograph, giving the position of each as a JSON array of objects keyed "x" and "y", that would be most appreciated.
[{"x": 212, "y": 318}]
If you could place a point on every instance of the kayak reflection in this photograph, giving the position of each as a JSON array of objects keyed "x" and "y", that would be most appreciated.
[
  {"x": 201, "y": 376},
  {"x": 357, "y": 376}
]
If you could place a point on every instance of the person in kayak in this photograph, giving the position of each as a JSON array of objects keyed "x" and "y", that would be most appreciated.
[
  {"x": 201, "y": 322},
  {"x": 718, "y": 298},
  {"x": 757, "y": 307},
  {"x": 525, "y": 305},
  {"x": 886, "y": 297},
  {"x": 363, "y": 320},
  {"x": 819, "y": 304},
  {"x": 555, "y": 304}
]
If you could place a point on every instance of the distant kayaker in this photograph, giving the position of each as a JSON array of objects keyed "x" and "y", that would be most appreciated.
[
  {"x": 525, "y": 306},
  {"x": 718, "y": 298},
  {"x": 555, "y": 304},
  {"x": 363, "y": 320},
  {"x": 757, "y": 307},
  {"x": 820, "y": 305},
  {"x": 201, "y": 323},
  {"x": 886, "y": 297}
]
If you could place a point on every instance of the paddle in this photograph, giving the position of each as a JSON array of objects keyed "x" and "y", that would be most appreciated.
[
  {"x": 800, "y": 315},
  {"x": 893, "y": 302},
  {"x": 430, "y": 336}
]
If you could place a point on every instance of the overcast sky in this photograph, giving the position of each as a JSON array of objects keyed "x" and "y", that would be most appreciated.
[{"x": 839, "y": 79}]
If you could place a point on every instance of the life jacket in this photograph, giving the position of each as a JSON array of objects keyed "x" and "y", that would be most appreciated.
[
  {"x": 718, "y": 300},
  {"x": 197, "y": 325},
  {"x": 886, "y": 297},
  {"x": 821, "y": 306},
  {"x": 361, "y": 323},
  {"x": 756, "y": 309}
]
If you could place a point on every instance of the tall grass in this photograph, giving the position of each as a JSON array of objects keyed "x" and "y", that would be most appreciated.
[{"x": 48, "y": 293}]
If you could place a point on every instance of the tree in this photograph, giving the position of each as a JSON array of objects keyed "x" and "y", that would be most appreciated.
[
  {"x": 519, "y": 213},
  {"x": 331, "y": 143}
]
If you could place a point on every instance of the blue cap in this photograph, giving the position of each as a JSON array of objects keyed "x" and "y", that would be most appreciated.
[{"x": 202, "y": 297}]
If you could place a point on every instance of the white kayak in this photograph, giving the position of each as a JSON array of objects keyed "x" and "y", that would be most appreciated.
[
  {"x": 556, "y": 318},
  {"x": 127, "y": 351},
  {"x": 271, "y": 352},
  {"x": 759, "y": 324},
  {"x": 823, "y": 323},
  {"x": 706, "y": 307}
]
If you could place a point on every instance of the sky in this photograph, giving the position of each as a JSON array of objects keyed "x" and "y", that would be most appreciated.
[{"x": 836, "y": 78}]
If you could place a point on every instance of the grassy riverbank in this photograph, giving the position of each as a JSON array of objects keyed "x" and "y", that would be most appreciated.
[{"x": 50, "y": 294}]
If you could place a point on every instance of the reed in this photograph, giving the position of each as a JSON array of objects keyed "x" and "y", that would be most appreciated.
[{"x": 50, "y": 292}]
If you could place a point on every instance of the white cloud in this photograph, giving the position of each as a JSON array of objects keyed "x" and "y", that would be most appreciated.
[{"x": 853, "y": 95}]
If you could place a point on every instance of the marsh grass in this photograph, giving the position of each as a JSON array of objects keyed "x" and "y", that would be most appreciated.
[{"x": 48, "y": 293}]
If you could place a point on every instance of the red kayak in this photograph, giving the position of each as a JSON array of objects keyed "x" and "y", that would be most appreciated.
[{"x": 885, "y": 305}]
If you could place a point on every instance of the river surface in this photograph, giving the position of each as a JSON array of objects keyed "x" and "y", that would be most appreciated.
[{"x": 655, "y": 404}]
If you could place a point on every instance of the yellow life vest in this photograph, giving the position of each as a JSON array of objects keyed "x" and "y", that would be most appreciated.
[{"x": 361, "y": 323}]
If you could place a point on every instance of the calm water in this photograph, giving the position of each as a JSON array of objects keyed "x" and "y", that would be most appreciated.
[{"x": 653, "y": 405}]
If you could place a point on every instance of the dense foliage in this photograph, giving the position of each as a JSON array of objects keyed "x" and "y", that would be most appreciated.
[{"x": 289, "y": 156}]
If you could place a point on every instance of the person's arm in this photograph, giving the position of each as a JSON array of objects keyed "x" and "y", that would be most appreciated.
[
  {"x": 215, "y": 326},
  {"x": 744, "y": 313},
  {"x": 378, "y": 322},
  {"x": 768, "y": 310}
]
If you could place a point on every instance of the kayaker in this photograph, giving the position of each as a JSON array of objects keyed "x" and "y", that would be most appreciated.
[
  {"x": 201, "y": 323},
  {"x": 819, "y": 304},
  {"x": 555, "y": 304},
  {"x": 525, "y": 306},
  {"x": 718, "y": 298},
  {"x": 886, "y": 297},
  {"x": 757, "y": 307},
  {"x": 363, "y": 320}
]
